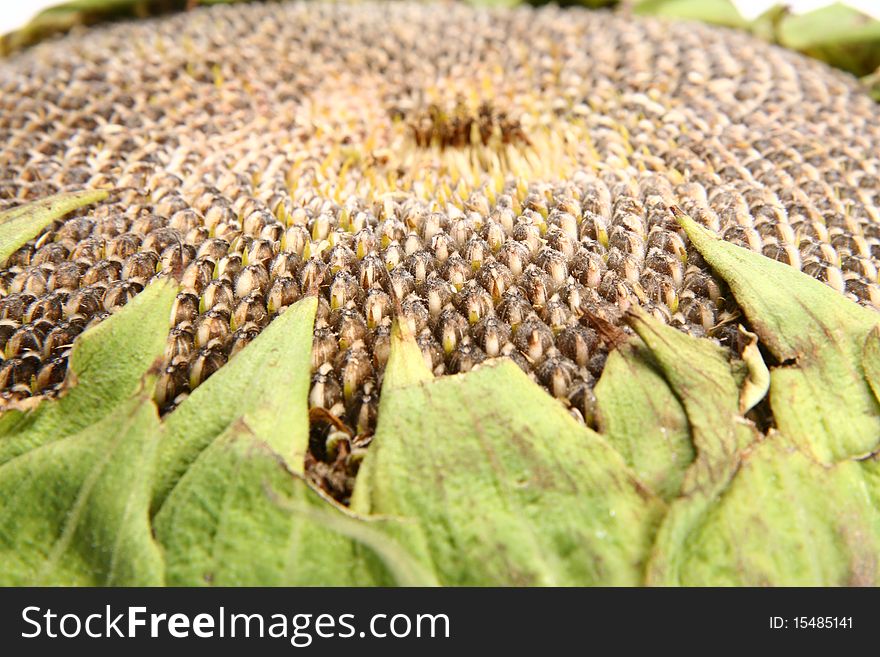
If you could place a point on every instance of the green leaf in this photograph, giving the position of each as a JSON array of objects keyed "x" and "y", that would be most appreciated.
[
  {"x": 871, "y": 360},
  {"x": 238, "y": 513},
  {"x": 75, "y": 511},
  {"x": 823, "y": 402},
  {"x": 766, "y": 26},
  {"x": 22, "y": 224},
  {"x": 839, "y": 35},
  {"x": 754, "y": 512},
  {"x": 239, "y": 517},
  {"x": 65, "y": 16},
  {"x": 700, "y": 375},
  {"x": 641, "y": 418},
  {"x": 719, "y": 12},
  {"x": 498, "y": 485},
  {"x": 107, "y": 366},
  {"x": 406, "y": 365},
  {"x": 871, "y": 83},
  {"x": 785, "y": 520},
  {"x": 267, "y": 384},
  {"x": 871, "y": 473}
]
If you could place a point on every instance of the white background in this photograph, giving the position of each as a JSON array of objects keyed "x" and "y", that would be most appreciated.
[{"x": 14, "y": 13}]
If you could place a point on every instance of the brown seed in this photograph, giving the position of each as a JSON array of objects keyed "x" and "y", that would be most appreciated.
[
  {"x": 75, "y": 230},
  {"x": 473, "y": 302},
  {"x": 51, "y": 253},
  {"x": 22, "y": 340},
  {"x": 557, "y": 375},
  {"x": 451, "y": 329},
  {"x": 140, "y": 267},
  {"x": 19, "y": 370},
  {"x": 536, "y": 285},
  {"x": 362, "y": 410},
  {"x": 66, "y": 276},
  {"x": 491, "y": 334},
  {"x": 583, "y": 400},
  {"x": 102, "y": 272},
  {"x": 554, "y": 265},
  {"x": 122, "y": 247},
  {"x": 184, "y": 221},
  {"x": 401, "y": 283},
  {"x": 96, "y": 319},
  {"x": 325, "y": 391},
  {"x": 295, "y": 240},
  {"x": 415, "y": 313},
  {"x": 285, "y": 264},
  {"x": 16, "y": 393},
  {"x": 456, "y": 271},
  {"x": 60, "y": 338},
  {"x": 197, "y": 275},
  {"x": 212, "y": 328},
  {"x": 341, "y": 259},
  {"x": 465, "y": 357},
  {"x": 242, "y": 337},
  {"x": 180, "y": 344},
  {"x": 421, "y": 265},
  {"x": 345, "y": 289},
  {"x": 49, "y": 307},
  {"x": 476, "y": 252},
  {"x": 356, "y": 367},
  {"x": 120, "y": 293},
  {"x": 533, "y": 338},
  {"x": 514, "y": 308},
  {"x": 284, "y": 292},
  {"x": 314, "y": 273},
  {"x": 217, "y": 295},
  {"x": 556, "y": 315},
  {"x": 206, "y": 362},
  {"x": 349, "y": 325},
  {"x": 7, "y": 328},
  {"x": 251, "y": 309},
  {"x": 86, "y": 301},
  {"x": 50, "y": 374},
  {"x": 324, "y": 346},
  {"x": 432, "y": 352},
  {"x": 495, "y": 279},
  {"x": 373, "y": 272},
  {"x": 377, "y": 307},
  {"x": 577, "y": 343},
  {"x": 228, "y": 267},
  {"x": 173, "y": 381},
  {"x": 185, "y": 308},
  {"x": 33, "y": 281},
  {"x": 380, "y": 344},
  {"x": 213, "y": 249},
  {"x": 442, "y": 247},
  {"x": 260, "y": 252},
  {"x": 159, "y": 240},
  {"x": 175, "y": 258}
]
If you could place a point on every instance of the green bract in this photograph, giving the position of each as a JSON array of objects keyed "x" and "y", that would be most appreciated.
[
  {"x": 24, "y": 223},
  {"x": 268, "y": 389},
  {"x": 705, "y": 467},
  {"x": 498, "y": 483}
]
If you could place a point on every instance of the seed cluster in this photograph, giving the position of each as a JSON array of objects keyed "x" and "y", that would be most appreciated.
[{"x": 503, "y": 177}]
